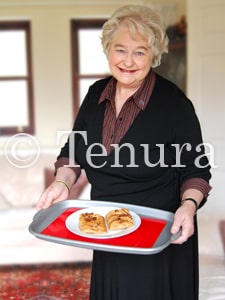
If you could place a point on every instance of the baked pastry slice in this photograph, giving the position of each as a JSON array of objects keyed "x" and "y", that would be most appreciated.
[
  {"x": 119, "y": 219},
  {"x": 92, "y": 223}
]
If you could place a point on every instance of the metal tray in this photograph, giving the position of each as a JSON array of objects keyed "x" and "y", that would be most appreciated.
[{"x": 152, "y": 236}]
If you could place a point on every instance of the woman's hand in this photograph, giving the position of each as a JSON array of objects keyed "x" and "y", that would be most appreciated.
[
  {"x": 56, "y": 192},
  {"x": 59, "y": 189},
  {"x": 184, "y": 220}
]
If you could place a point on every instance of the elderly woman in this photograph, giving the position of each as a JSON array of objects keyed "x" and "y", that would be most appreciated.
[{"x": 139, "y": 108}]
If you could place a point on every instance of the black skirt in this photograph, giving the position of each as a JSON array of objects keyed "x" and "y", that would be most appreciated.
[{"x": 169, "y": 275}]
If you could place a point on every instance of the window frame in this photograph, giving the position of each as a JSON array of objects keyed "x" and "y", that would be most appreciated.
[
  {"x": 30, "y": 128},
  {"x": 76, "y": 25}
]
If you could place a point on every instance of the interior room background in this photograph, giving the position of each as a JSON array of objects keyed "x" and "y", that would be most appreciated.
[
  {"x": 52, "y": 74},
  {"x": 52, "y": 69}
]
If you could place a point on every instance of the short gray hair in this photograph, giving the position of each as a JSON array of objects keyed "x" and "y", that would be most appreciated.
[{"x": 141, "y": 19}]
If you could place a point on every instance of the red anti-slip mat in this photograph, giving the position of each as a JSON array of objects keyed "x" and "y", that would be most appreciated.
[{"x": 144, "y": 237}]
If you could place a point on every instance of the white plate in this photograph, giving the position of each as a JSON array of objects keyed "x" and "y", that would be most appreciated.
[{"x": 72, "y": 223}]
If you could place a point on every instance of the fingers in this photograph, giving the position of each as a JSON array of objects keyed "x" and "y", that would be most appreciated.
[
  {"x": 183, "y": 220},
  {"x": 44, "y": 202},
  {"x": 182, "y": 238},
  {"x": 54, "y": 193},
  {"x": 176, "y": 226}
]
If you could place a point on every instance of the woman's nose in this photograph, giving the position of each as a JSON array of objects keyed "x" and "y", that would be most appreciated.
[{"x": 128, "y": 61}]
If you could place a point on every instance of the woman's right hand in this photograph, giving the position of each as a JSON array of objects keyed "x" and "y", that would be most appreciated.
[{"x": 57, "y": 191}]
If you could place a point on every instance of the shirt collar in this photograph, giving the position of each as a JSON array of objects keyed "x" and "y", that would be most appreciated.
[{"x": 141, "y": 97}]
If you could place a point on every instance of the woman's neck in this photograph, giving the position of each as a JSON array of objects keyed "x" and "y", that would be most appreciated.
[{"x": 121, "y": 96}]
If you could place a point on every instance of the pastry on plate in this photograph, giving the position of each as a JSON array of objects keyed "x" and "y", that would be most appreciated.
[
  {"x": 92, "y": 223},
  {"x": 119, "y": 219}
]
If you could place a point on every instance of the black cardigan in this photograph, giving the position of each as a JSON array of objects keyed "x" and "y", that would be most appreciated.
[{"x": 148, "y": 169}]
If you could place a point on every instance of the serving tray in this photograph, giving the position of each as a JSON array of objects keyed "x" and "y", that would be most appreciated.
[{"x": 152, "y": 235}]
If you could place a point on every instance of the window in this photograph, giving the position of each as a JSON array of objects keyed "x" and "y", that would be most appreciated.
[
  {"x": 89, "y": 63},
  {"x": 16, "y": 95}
]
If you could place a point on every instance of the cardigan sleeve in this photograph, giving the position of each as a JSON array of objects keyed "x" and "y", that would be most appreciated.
[
  {"x": 188, "y": 148},
  {"x": 197, "y": 184}
]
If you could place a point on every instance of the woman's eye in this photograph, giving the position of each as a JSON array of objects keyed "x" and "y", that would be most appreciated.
[
  {"x": 139, "y": 53},
  {"x": 120, "y": 50}
]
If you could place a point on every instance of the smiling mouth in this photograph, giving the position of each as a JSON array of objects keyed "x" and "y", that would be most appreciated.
[{"x": 125, "y": 71}]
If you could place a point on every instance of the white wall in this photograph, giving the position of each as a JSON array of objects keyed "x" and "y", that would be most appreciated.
[
  {"x": 206, "y": 87},
  {"x": 52, "y": 58}
]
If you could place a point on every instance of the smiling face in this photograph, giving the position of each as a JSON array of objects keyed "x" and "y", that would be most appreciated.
[{"x": 129, "y": 59}]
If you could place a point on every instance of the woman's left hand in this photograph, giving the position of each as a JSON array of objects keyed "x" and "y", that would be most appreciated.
[{"x": 184, "y": 220}]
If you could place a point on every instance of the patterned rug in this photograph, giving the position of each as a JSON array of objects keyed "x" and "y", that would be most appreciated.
[{"x": 45, "y": 282}]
